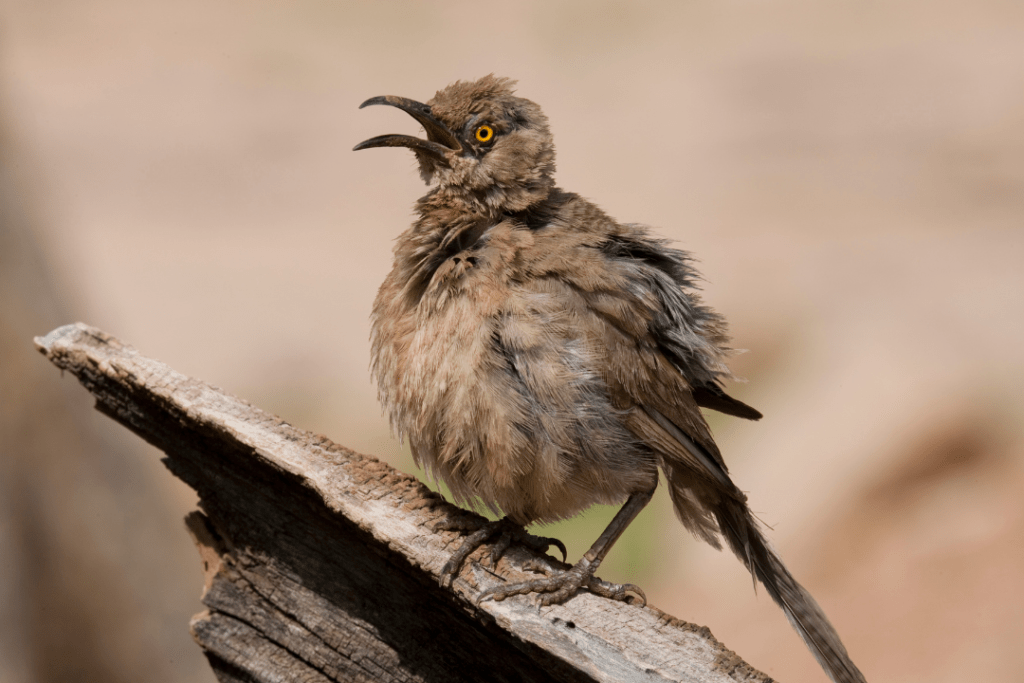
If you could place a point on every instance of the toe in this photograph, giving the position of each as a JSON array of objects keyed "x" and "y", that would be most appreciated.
[
  {"x": 539, "y": 566},
  {"x": 471, "y": 543},
  {"x": 616, "y": 591},
  {"x": 499, "y": 547},
  {"x": 542, "y": 544}
]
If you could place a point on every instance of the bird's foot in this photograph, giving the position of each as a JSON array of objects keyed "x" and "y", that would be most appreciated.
[
  {"x": 507, "y": 532},
  {"x": 559, "y": 585}
]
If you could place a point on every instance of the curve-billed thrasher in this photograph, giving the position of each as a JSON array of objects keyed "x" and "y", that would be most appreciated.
[{"x": 541, "y": 357}]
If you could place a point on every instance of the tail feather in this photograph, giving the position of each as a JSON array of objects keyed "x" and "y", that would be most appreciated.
[{"x": 741, "y": 532}]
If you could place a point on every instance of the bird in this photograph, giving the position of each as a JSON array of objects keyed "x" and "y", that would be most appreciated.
[{"x": 541, "y": 357}]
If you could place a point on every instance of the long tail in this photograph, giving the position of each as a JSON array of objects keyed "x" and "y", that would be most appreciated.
[{"x": 741, "y": 532}]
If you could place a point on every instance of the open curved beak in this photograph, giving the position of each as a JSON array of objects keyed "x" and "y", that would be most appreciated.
[{"x": 439, "y": 143}]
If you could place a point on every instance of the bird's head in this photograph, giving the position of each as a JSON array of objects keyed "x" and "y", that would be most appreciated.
[{"x": 484, "y": 145}]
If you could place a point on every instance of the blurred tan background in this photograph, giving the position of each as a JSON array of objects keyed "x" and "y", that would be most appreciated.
[{"x": 851, "y": 176}]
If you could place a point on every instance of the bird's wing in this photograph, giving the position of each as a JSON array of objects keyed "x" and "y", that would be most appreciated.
[
  {"x": 639, "y": 366},
  {"x": 712, "y": 396},
  {"x": 657, "y": 341}
]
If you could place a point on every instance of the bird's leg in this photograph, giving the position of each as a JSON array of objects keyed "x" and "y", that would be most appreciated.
[
  {"x": 506, "y": 531},
  {"x": 559, "y": 586}
]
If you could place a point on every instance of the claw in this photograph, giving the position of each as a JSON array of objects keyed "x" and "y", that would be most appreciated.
[
  {"x": 472, "y": 542},
  {"x": 499, "y": 548},
  {"x": 507, "y": 532},
  {"x": 539, "y": 566},
  {"x": 617, "y": 591},
  {"x": 542, "y": 543},
  {"x": 558, "y": 544},
  {"x": 559, "y": 586}
]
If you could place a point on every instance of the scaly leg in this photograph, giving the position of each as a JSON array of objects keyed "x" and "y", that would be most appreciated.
[{"x": 560, "y": 586}]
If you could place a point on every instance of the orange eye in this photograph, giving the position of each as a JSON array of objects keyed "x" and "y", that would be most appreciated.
[{"x": 484, "y": 133}]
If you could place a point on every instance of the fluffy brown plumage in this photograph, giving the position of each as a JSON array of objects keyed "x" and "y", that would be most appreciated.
[{"x": 541, "y": 357}]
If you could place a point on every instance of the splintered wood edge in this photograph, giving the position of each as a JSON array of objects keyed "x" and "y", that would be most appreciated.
[{"x": 610, "y": 641}]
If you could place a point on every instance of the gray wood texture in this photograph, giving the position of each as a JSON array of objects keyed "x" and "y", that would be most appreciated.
[{"x": 322, "y": 564}]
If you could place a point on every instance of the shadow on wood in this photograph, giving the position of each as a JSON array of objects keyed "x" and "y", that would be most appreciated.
[{"x": 322, "y": 564}]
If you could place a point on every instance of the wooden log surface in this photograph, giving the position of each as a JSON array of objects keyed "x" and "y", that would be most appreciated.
[{"x": 322, "y": 564}]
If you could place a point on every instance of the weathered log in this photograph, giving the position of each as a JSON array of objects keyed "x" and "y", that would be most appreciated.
[{"x": 322, "y": 564}]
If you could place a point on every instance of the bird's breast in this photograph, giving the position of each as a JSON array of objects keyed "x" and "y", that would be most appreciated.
[
  {"x": 494, "y": 378},
  {"x": 430, "y": 351}
]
